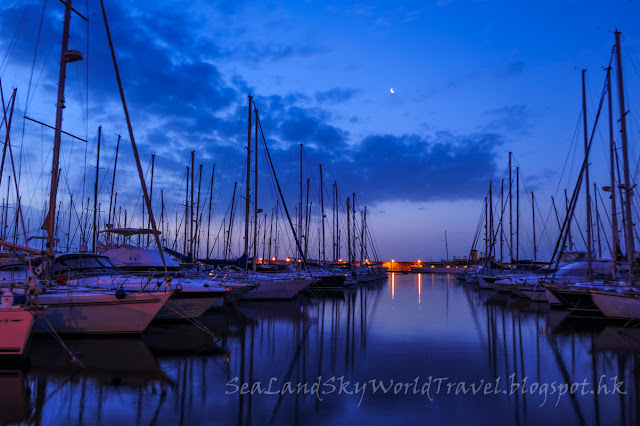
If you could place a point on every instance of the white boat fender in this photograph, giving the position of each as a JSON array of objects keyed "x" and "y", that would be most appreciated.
[
  {"x": 7, "y": 299},
  {"x": 121, "y": 293}
]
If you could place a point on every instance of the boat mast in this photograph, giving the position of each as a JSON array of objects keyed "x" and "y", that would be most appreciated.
[
  {"x": 300, "y": 213},
  {"x": 186, "y": 213},
  {"x": 501, "y": 217},
  {"x": 333, "y": 221},
  {"x": 306, "y": 222},
  {"x": 276, "y": 239},
  {"x": 153, "y": 165},
  {"x": 517, "y": 213},
  {"x": 133, "y": 142},
  {"x": 349, "y": 228},
  {"x": 113, "y": 182},
  {"x": 324, "y": 260},
  {"x": 191, "y": 253},
  {"x": 264, "y": 237},
  {"x": 446, "y": 245},
  {"x": 625, "y": 159},
  {"x": 255, "y": 192},
  {"x": 362, "y": 219},
  {"x": 270, "y": 233},
  {"x": 335, "y": 185},
  {"x": 553, "y": 203},
  {"x": 490, "y": 220},
  {"x": 95, "y": 196},
  {"x": 595, "y": 197},
  {"x": 586, "y": 175},
  {"x": 614, "y": 214},
  {"x": 56, "y": 140},
  {"x": 566, "y": 203},
  {"x": 213, "y": 172},
  {"x": 233, "y": 201},
  {"x": 486, "y": 230},
  {"x": 162, "y": 213},
  {"x": 533, "y": 213},
  {"x": 247, "y": 199},
  {"x": 510, "y": 214},
  {"x": 198, "y": 218}
]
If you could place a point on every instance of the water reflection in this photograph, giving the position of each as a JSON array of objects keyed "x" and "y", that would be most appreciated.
[{"x": 401, "y": 331}]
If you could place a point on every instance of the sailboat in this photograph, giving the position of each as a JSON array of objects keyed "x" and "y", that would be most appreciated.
[
  {"x": 622, "y": 297},
  {"x": 16, "y": 323},
  {"x": 78, "y": 309},
  {"x": 611, "y": 291}
]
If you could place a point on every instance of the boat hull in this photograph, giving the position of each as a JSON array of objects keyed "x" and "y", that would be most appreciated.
[
  {"x": 576, "y": 299},
  {"x": 617, "y": 305},
  {"x": 277, "y": 289},
  {"x": 16, "y": 324},
  {"x": 188, "y": 307},
  {"x": 99, "y": 313}
]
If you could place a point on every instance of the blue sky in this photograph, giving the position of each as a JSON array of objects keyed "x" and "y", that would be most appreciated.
[{"x": 473, "y": 80}]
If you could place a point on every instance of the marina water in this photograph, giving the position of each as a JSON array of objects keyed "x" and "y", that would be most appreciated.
[{"x": 420, "y": 348}]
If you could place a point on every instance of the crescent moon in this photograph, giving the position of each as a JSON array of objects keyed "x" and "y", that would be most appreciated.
[{"x": 392, "y": 90}]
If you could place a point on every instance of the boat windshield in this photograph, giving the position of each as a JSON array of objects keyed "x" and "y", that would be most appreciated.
[{"x": 88, "y": 264}]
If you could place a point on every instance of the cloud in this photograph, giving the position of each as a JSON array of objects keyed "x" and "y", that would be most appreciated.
[
  {"x": 514, "y": 119},
  {"x": 414, "y": 168},
  {"x": 514, "y": 69},
  {"x": 181, "y": 100},
  {"x": 335, "y": 95}
]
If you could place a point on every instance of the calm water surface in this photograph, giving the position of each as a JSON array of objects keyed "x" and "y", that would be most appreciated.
[{"x": 419, "y": 348}]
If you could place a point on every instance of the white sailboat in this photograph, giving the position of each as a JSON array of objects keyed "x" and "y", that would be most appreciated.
[
  {"x": 87, "y": 311},
  {"x": 622, "y": 303},
  {"x": 16, "y": 323}
]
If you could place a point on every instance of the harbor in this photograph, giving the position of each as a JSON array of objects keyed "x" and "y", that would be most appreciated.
[
  {"x": 408, "y": 329},
  {"x": 299, "y": 213}
]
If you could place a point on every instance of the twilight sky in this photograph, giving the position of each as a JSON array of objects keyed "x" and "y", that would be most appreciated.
[{"x": 471, "y": 80}]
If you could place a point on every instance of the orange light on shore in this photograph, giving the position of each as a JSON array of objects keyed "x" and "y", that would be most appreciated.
[
  {"x": 273, "y": 259},
  {"x": 288, "y": 260}
]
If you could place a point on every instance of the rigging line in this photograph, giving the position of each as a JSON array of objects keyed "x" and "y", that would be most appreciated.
[
  {"x": 576, "y": 191},
  {"x": 83, "y": 107},
  {"x": 14, "y": 39},
  {"x": 630, "y": 56},
  {"x": 542, "y": 235},
  {"x": 606, "y": 214},
  {"x": 132, "y": 140},
  {"x": 75, "y": 11},
  {"x": 86, "y": 62},
  {"x": 575, "y": 132},
  {"x": 51, "y": 127},
  {"x": 298, "y": 243},
  {"x": 573, "y": 141},
  {"x": 35, "y": 54}
]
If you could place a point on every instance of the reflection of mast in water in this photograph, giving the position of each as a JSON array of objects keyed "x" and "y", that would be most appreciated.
[
  {"x": 251, "y": 354},
  {"x": 321, "y": 355},
  {"x": 288, "y": 374},
  {"x": 419, "y": 291},
  {"x": 14, "y": 402},
  {"x": 448, "y": 282},
  {"x": 594, "y": 380},
  {"x": 565, "y": 375}
]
